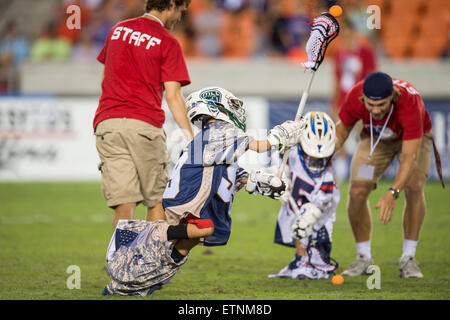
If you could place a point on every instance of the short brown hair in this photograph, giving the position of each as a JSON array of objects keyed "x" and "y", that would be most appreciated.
[{"x": 161, "y": 5}]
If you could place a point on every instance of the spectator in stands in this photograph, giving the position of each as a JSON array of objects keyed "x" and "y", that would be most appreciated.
[
  {"x": 86, "y": 50},
  {"x": 13, "y": 50},
  {"x": 49, "y": 46},
  {"x": 357, "y": 13},
  {"x": 208, "y": 23},
  {"x": 279, "y": 33},
  {"x": 290, "y": 28},
  {"x": 238, "y": 32},
  {"x": 445, "y": 54},
  {"x": 185, "y": 35},
  {"x": 107, "y": 14},
  {"x": 298, "y": 31}
]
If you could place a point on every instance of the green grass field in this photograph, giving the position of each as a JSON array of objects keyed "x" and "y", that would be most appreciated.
[{"x": 46, "y": 227}]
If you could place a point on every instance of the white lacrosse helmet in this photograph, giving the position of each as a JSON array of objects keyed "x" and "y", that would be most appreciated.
[
  {"x": 215, "y": 103},
  {"x": 317, "y": 142}
]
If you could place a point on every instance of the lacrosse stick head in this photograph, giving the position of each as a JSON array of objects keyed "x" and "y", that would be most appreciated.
[{"x": 324, "y": 29}]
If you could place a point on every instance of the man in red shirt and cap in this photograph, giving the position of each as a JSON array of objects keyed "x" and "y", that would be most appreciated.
[
  {"x": 142, "y": 60},
  {"x": 395, "y": 123}
]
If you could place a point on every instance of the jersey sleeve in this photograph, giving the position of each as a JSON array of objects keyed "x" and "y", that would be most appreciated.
[
  {"x": 226, "y": 145},
  {"x": 173, "y": 67}
]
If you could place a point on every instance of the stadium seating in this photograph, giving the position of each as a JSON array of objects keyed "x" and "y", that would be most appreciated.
[
  {"x": 415, "y": 28},
  {"x": 402, "y": 8}
]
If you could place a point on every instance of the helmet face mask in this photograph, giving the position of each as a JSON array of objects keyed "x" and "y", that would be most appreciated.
[
  {"x": 314, "y": 166},
  {"x": 215, "y": 103},
  {"x": 317, "y": 143}
]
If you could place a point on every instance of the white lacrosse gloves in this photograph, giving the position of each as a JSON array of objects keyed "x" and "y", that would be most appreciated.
[
  {"x": 286, "y": 134},
  {"x": 307, "y": 217},
  {"x": 266, "y": 184}
]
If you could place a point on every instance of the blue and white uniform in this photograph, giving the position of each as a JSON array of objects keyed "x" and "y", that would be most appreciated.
[
  {"x": 321, "y": 191},
  {"x": 203, "y": 181}
]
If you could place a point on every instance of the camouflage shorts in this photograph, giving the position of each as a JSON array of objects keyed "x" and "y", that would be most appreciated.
[{"x": 146, "y": 263}]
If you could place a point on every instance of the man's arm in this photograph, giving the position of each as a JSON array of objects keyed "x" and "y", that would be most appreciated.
[
  {"x": 410, "y": 149},
  {"x": 259, "y": 145},
  {"x": 177, "y": 106},
  {"x": 342, "y": 133}
]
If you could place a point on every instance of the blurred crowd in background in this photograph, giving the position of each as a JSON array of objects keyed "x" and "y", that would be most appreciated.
[{"x": 242, "y": 29}]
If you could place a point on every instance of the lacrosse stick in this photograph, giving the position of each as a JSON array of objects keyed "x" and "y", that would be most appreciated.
[{"x": 323, "y": 30}]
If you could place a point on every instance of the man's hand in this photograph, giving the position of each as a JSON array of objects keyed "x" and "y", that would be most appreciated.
[
  {"x": 386, "y": 206},
  {"x": 177, "y": 106}
]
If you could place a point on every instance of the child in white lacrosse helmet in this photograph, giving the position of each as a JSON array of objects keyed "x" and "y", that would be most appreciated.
[
  {"x": 143, "y": 256},
  {"x": 306, "y": 218}
]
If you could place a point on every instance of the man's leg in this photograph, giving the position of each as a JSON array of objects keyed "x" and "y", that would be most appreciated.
[
  {"x": 361, "y": 224},
  {"x": 358, "y": 210},
  {"x": 156, "y": 213},
  {"x": 413, "y": 216},
  {"x": 191, "y": 236},
  {"x": 124, "y": 211},
  {"x": 300, "y": 250},
  {"x": 414, "y": 212}
]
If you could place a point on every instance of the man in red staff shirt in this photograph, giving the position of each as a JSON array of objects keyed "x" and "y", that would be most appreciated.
[
  {"x": 141, "y": 60},
  {"x": 395, "y": 123}
]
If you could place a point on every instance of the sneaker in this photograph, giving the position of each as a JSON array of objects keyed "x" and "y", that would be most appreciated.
[
  {"x": 286, "y": 272},
  {"x": 409, "y": 268},
  {"x": 359, "y": 266}
]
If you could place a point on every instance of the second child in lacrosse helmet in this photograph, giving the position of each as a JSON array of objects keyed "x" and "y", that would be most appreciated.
[{"x": 305, "y": 220}]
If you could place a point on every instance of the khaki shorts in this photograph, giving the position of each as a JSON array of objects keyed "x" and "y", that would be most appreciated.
[
  {"x": 133, "y": 161},
  {"x": 383, "y": 156}
]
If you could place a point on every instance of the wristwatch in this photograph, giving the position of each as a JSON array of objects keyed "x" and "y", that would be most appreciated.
[{"x": 395, "y": 192}]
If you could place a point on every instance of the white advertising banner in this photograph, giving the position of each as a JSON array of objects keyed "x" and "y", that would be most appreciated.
[
  {"x": 51, "y": 139},
  {"x": 47, "y": 139}
]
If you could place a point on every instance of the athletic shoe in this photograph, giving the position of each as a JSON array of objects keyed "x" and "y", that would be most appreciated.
[
  {"x": 409, "y": 268},
  {"x": 359, "y": 266},
  {"x": 286, "y": 272}
]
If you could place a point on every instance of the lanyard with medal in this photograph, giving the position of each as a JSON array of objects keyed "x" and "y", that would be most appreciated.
[{"x": 366, "y": 171}]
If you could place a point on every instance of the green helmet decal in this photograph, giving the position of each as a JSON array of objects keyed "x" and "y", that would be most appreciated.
[
  {"x": 233, "y": 118},
  {"x": 211, "y": 95},
  {"x": 217, "y": 103}
]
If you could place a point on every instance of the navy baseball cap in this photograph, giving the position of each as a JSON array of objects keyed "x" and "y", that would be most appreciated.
[{"x": 378, "y": 85}]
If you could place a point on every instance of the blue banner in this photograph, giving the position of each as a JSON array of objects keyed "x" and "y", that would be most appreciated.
[{"x": 439, "y": 110}]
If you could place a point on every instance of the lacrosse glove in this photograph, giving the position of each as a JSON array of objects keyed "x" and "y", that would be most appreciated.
[
  {"x": 306, "y": 218},
  {"x": 286, "y": 134},
  {"x": 266, "y": 184}
]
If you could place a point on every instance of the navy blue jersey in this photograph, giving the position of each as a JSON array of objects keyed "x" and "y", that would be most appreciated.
[{"x": 203, "y": 180}]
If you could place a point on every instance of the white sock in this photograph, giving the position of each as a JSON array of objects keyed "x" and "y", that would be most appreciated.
[
  {"x": 363, "y": 248},
  {"x": 409, "y": 248}
]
